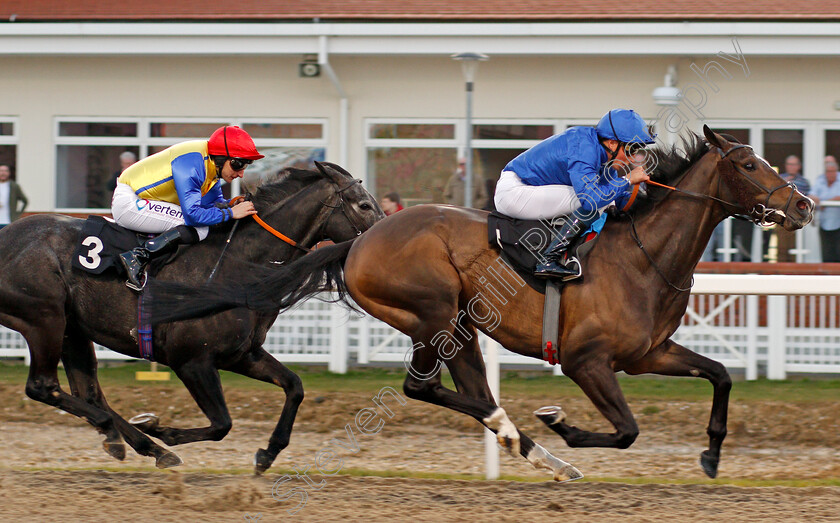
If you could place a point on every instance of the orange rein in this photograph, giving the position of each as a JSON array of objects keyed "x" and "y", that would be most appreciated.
[{"x": 268, "y": 227}]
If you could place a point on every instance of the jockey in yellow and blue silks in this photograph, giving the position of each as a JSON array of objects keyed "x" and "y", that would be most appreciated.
[
  {"x": 573, "y": 174},
  {"x": 176, "y": 192}
]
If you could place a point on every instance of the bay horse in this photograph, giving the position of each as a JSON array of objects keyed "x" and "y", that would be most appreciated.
[
  {"x": 61, "y": 310},
  {"x": 430, "y": 272}
]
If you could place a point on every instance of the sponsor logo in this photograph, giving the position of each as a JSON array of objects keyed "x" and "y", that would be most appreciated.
[{"x": 141, "y": 204}]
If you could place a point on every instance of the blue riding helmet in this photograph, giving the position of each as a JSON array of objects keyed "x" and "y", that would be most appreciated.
[{"x": 625, "y": 126}]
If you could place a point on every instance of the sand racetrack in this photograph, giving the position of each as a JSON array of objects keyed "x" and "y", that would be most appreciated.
[{"x": 53, "y": 467}]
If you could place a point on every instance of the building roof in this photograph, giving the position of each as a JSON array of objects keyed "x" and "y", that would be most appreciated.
[{"x": 417, "y": 10}]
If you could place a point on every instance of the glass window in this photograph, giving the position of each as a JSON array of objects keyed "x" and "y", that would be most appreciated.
[
  {"x": 105, "y": 129},
  {"x": 781, "y": 143},
  {"x": 183, "y": 129},
  {"x": 284, "y": 130},
  {"x": 87, "y": 153},
  {"x": 418, "y": 175},
  {"x": 512, "y": 132},
  {"x": 8, "y": 156},
  {"x": 412, "y": 131},
  {"x": 7, "y": 129},
  {"x": 832, "y": 145},
  {"x": 87, "y": 175}
]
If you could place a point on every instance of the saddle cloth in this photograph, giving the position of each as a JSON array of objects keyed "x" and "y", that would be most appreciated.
[
  {"x": 522, "y": 242},
  {"x": 102, "y": 241}
]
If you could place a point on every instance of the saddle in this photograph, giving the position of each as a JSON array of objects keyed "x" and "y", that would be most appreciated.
[
  {"x": 100, "y": 243},
  {"x": 522, "y": 242}
]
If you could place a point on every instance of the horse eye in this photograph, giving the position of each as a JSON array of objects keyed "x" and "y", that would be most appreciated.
[
  {"x": 749, "y": 166},
  {"x": 365, "y": 207}
]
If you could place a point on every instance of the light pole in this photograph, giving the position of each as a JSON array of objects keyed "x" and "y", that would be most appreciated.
[{"x": 469, "y": 64}]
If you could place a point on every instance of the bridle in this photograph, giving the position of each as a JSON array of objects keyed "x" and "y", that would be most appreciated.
[
  {"x": 759, "y": 214},
  {"x": 339, "y": 192}
]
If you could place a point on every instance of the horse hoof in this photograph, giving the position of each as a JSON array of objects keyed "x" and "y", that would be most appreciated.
[
  {"x": 262, "y": 461},
  {"x": 167, "y": 460},
  {"x": 709, "y": 464},
  {"x": 145, "y": 422},
  {"x": 115, "y": 448},
  {"x": 550, "y": 415},
  {"x": 567, "y": 473}
]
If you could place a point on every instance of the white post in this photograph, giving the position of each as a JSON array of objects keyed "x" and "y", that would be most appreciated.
[
  {"x": 776, "y": 319},
  {"x": 338, "y": 341},
  {"x": 364, "y": 339},
  {"x": 751, "y": 372},
  {"x": 491, "y": 447}
]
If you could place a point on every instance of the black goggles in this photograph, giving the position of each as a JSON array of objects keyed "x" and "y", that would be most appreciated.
[
  {"x": 238, "y": 164},
  {"x": 635, "y": 148}
]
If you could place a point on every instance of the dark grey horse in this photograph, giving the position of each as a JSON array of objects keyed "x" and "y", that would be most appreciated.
[{"x": 61, "y": 310}]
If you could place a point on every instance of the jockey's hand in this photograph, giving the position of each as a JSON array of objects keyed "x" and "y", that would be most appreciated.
[
  {"x": 242, "y": 209},
  {"x": 638, "y": 175}
]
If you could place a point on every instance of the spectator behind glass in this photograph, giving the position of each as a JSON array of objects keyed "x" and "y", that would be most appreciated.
[
  {"x": 786, "y": 240},
  {"x": 127, "y": 159},
  {"x": 12, "y": 200},
  {"x": 456, "y": 187},
  {"x": 827, "y": 188},
  {"x": 390, "y": 203}
]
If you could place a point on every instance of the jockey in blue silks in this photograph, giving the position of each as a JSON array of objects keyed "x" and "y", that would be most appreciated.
[{"x": 573, "y": 174}]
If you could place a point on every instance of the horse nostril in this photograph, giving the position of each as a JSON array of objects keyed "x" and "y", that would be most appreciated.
[{"x": 803, "y": 205}]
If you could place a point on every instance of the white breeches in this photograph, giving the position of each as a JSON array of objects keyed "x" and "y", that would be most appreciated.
[
  {"x": 149, "y": 216},
  {"x": 533, "y": 202}
]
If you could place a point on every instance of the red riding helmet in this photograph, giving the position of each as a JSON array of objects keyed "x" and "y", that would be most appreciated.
[{"x": 233, "y": 142}]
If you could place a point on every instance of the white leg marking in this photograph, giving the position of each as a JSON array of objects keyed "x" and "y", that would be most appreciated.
[
  {"x": 506, "y": 431},
  {"x": 542, "y": 459}
]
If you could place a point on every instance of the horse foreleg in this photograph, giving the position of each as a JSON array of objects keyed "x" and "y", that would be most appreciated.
[
  {"x": 470, "y": 377},
  {"x": 261, "y": 365},
  {"x": 672, "y": 359},
  {"x": 205, "y": 386},
  {"x": 80, "y": 365},
  {"x": 598, "y": 382}
]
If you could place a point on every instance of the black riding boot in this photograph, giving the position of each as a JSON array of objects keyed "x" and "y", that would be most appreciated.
[
  {"x": 135, "y": 260},
  {"x": 555, "y": 266}
]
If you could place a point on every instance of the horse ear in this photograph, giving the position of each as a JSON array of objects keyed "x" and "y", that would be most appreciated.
[
  {"x": 330, "y": 172},
  {"x": 716, "y": 140}
]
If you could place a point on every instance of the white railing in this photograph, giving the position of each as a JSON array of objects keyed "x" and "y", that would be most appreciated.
[{"x": 779, "y": 323}]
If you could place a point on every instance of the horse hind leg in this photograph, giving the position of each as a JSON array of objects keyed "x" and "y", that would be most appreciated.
[
  {"x": 469, "y": 374},
  {"x": 80, "y": 366},
  {"x": 672, "y": 359},
  {"x": 261, "y": 365},
  {"x": 45, "y": 346}
]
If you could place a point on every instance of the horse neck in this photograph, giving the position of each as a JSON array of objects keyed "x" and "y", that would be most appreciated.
[
  {"x": 300, "y": 218},
  {"x": 676, "y": 231}
]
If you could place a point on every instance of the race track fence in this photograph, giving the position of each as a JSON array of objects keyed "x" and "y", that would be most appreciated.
[{"x": 778, "y": 324}]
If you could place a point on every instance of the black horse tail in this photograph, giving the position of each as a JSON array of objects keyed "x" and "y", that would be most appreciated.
[{"x": 319, "y": 271}]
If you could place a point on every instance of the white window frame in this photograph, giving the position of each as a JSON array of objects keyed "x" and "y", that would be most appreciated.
[{"x": 144, "y": 140}]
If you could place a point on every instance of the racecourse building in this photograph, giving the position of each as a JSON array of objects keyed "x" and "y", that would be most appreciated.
[{"x": 372, "y": 85}]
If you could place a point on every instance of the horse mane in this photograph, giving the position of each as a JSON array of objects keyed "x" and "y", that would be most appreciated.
[
  {"x": 670, "y": 165},
  {"x": 286, "y": 183}
]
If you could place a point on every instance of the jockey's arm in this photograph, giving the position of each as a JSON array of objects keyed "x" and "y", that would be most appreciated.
[
  {"x": 594, "y": 190},
  {"x": 188, "y": 173}
]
